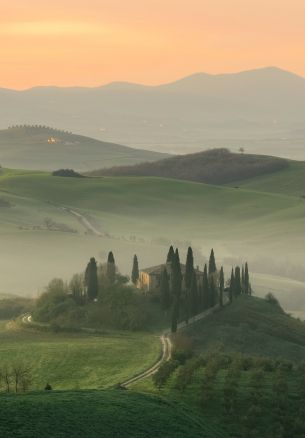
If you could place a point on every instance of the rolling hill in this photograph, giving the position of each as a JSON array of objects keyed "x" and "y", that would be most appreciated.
[
  {"x": 217, "y": 166},
  {"x": 251, "y": 326},
  {"x": 43, "y": 148},
  {"x": 262, "y": 110},
  {"x": 144, "y": 216},
  {"x": 99, "y": 414}
]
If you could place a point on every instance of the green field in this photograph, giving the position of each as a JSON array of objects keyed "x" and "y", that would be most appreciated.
[
  {"x": 289, "y": 181},
  {"x": 143, "y": 216},
  {"x": 251, "y": 326},
  {"x": 77, "y": 361},
  {"x": 99, "y": 414}
]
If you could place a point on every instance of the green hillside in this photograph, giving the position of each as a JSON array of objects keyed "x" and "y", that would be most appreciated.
[
  {"x": 77, "y": 360},
  {"x": 216, "y": 166},
  {"x": 290, "y": 181},
  {"x": 138, "y": 215},
  {"x": 38, "y": 147},
  {"x": 251, "y": 326},
  {"x": 98, "y": 414}
]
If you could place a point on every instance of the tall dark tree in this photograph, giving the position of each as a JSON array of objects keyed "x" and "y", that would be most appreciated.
[
  {"x": 165, "y": 290},
  {"x": 111, "y": 268},
  {"x": 221, "y": 286},
  {"x": 194, "y": 305},
  {"x": 135, "y": 270},
  {"x": 205, "y": 289},
  {"x": 243, "y": 279},
  {"x": 170, "y": 255},
  {"x": 213, "y": 290},
  {"x": 91, "y": 281},
  {"x": 189, "y": 269},
  {"x": 237, "y": 283},
  {"x": 176, "y": 290},
  {"x": 247, "y": 280},
  {"x": 231, "y": 286},
  {"x": 212, "y": 263}
]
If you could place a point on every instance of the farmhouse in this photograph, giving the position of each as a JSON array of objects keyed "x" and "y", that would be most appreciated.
[{"x": 150, "y": 278}]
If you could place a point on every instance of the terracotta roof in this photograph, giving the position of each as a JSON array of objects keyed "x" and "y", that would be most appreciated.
[{"x": 157, "y": 270}]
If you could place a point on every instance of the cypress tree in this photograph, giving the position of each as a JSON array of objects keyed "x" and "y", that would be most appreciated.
[
  {"x": 212, "y": 263},
  {"x": 135, "y": 270},
  {"x": 213, "y": 291},
  {"x": 194, "y": 295},
  {"x": 164, "y": 290},
  {"x": 205, "y": 289},
  {"x": 111, "y": 268},
  {"x": 243, "y": 279},
  {"x": 176, "y": 285},
  {"x": 237, "y": 283},
  {"x": 170, "y": 255},
  {"x": 247, "y": 280},
  {"x": 232, "y": 286},
  {"x": 189, "y": 269},
  {"x": 91, "y": 281},
  {"x": 221, "y": 286}
]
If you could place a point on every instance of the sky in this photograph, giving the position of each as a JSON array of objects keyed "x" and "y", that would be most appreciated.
[{"x": 93, "y": 42}]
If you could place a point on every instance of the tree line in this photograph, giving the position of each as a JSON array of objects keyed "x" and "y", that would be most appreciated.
[{"x": 189, "y": 293}]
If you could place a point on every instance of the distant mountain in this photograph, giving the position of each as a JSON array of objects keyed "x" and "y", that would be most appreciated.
[
  {"x": 218, "y": 166},
  {"x": 44, "y": 148},
  {"x": 259, "y": 109}
]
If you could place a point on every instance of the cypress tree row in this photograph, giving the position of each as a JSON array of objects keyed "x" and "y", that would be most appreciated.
[
  {"x": 189, "y": 269},
  {"x": 212, "y": 263},
  {"x": 111, "y": 268},
  {"x": 205, "y": 289},
  {"x": 243, "y": 279},
  {"x": 237, "y": 283},
  {"x": 176, "y": 290},
  {"x": 247, "y": 280},
  {"x": 170, "y": 255},
  {"x": 221, "y": 286},
  {"x": 135, "y": 270},
  {"x": 194, "y": 296},
  {"x": 165, "y": 290},
  {"x": 91, "y": 281},
  {"x": 232, "y": 286},
  {"x": 213, "y": 291}
]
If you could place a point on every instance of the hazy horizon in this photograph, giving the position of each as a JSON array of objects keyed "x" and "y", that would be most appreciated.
[{"x": 72, "y": 43}]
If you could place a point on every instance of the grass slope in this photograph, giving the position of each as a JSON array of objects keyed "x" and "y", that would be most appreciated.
[
  {"x": 77, "y": 361},
  {"x": 252, "y": 326},
  {"x": 290, "y": 181},
  {"x": 98, "y": 414},
  {"x": 217, "y": 166},
  {"x": 28, "y": 148},
  {"x": 235, "y": 222}
]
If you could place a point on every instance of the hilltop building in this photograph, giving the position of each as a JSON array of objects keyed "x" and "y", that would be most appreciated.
[{"x": 150, "y": 278}]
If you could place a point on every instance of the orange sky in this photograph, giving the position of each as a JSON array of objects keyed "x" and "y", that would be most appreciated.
[{"x": 78, "y": 42}]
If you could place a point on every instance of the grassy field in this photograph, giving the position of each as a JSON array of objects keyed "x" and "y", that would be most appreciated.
[
  {"x": 289, "y": 181},
  {"x": 77, "y": 361},
  {"x": 98, "y": 414},
  {"x": 252, "y": 326},
  {"x": 142, "y": 216}
]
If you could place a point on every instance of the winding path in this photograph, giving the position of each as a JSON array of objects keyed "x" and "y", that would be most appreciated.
[
  {"x": 166, "y": 344},
  {"x": 84, "y": 221},
  {"x": 167, "y": 348}
]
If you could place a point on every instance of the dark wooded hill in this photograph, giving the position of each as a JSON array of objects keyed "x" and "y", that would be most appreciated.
[{"x": 217, "y": 166}]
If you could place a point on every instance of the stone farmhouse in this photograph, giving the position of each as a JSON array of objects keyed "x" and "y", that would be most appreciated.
[{"x": 150, "y": 278}]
